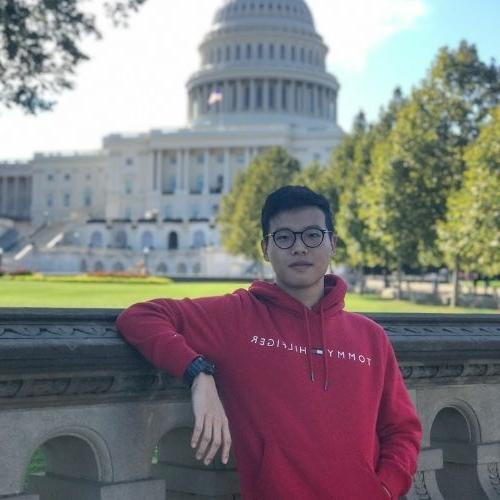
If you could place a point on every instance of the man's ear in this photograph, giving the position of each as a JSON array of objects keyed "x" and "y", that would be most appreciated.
[{"x": 263, "y": 246}]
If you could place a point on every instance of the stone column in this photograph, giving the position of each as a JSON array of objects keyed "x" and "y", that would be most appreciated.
[
  {"x": 3, "y": 195},
  {"x": 316, "y": 100},
  {"x": 265, "y": 95},
  {"x": 321, "y": 102},
  {"x": 204, "y": 99},
  {"x": 240, "y": 96},
  {"x": 185, "y": 168},
  {"x": 227, "y": 172},
  {"x": 206, "y": 172},
  {"x": 278, "y": 95},
  {"x": 253, "y": 89},
  {"x": 225, "y": 97},
  {"x": 179, "y": 184}
]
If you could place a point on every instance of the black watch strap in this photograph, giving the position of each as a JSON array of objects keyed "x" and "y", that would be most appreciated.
[{"x": 198, "y": 365}]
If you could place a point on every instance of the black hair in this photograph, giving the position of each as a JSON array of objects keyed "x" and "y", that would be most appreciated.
[{"x": 290, "y": 197}]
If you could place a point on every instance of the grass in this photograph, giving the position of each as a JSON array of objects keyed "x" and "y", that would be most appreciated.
[{"x": 20, "y": 293}]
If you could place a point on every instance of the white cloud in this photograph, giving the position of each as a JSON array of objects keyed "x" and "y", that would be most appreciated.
[{"x": 355, "y": 28}]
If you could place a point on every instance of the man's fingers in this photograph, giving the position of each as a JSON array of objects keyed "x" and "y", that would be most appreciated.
[
  {"x": 216, "y": 441},
  {"x": 226, "y": 442},
  {"x": 206, "y": 437},
  {"x": 198, "y": 428}
]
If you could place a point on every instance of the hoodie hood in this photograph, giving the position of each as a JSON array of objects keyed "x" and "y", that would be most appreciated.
[{"x": 331, "y": 303}]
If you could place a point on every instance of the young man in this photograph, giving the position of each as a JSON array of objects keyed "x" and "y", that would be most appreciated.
[{"x": 314, "y": 399}]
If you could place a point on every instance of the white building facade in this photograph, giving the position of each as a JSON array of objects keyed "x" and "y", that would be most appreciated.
[{"x": 262, "y": 82}]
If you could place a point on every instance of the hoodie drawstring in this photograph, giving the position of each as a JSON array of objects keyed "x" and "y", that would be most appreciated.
[
  {"x": 311, "y": 369},
  {"x": 325, "y": 363}
]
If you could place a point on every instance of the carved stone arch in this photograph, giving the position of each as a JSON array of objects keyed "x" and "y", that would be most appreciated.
[
  {"x": 174, "y": 454},
  {"x": 456, "y": 431},
  {"x": 91, "y": 441},
  {"x": 74, "y": 456}
]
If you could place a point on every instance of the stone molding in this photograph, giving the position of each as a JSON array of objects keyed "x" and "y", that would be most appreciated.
[{"x": 66, "y": 355}]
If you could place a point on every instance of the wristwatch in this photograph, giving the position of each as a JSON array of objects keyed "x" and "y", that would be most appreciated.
[{"x": 198, "y": 365}]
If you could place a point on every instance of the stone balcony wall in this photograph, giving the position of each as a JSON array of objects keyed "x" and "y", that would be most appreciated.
[{"x": 111, "y": 427}]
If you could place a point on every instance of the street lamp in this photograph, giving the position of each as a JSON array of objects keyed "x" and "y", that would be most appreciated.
[{"x": 145, "y": 252}]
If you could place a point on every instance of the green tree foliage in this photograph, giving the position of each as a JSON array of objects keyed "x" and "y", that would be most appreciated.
[
  {"x": 351, "y": 166},
  {"x": 471, "y": 232},
  {"x": 422, "y": 161},
  {"x": 40, "y": 47},
  {"x": 239, "y": 217},
  {"x": 318, "y": 178}
]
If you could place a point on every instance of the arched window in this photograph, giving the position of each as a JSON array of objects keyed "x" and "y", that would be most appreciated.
[
  {"x": 199, "y": 239},
  {"x": 181, "y": 268},
  {"x": 238, "y": 53},
  {"x": 98, "y": 267},
  {"x": 83, "y": 266},
  {"x": 173, "y": 241},
  {"x": 96, "y": 240},
  {"x": 121, "y": 239},
  {"x": 271, "y": 51},
  {"x": 196, "y": 268},
  {"x": 162, "y": 269},
  {"x": 249, "y": 51},
  {"x": 147, "y": 240},
  {"x": 260, "y": 51},
  {"x": 118, "y": 267},
  {"x": 87, "y": 197}
]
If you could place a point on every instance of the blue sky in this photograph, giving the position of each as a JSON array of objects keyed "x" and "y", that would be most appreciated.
[
  {"x": 135, "y": 79},
  {"x": 404, "y": 58}
]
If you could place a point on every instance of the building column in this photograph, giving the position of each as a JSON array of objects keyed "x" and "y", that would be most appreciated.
[
  {"x": 253, "y": 91},
  {"x": 334, "y": 106},
  {"x": 227, "y": 172},
  {"x": 265, "y": 95},
  {"x": 206, "y": 172},
  {"x": 179, "y": 182},
  {"x": 278, "y": 96},
  {"x": 204, "y": 99},
  {"x": 316, "y": 100},
  {"x": 240, "y": 98},
  {"x": 3, "y": 195},
  {"x": 185, "y": 169},
  {"x": 225, "y": 97}
]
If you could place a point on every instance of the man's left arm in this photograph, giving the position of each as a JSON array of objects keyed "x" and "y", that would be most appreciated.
[{"x": 399, "y": 431}]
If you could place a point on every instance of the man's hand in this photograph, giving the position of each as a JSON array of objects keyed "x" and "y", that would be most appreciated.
[{"x": 211, "y": 429}]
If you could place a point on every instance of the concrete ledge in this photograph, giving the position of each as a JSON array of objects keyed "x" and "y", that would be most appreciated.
[{"x": 56, "y": 488}]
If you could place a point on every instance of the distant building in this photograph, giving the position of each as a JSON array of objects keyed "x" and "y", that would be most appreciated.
[{"x": 153, "y": 196}]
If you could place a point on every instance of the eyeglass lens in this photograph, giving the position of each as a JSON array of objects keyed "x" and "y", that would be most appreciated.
[{"x": 285, "y": 238}]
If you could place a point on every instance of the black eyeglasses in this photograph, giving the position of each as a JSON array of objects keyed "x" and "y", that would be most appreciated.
[{"x": 312, "y": 237}]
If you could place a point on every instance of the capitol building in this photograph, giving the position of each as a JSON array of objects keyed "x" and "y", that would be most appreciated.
[{"x": 152, "y": 198}]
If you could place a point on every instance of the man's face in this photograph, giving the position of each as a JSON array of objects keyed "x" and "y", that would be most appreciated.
[{"x": 299, "y": 266}]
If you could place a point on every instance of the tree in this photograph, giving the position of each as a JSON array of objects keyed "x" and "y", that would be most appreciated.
[
  {"x": 239, "y": 217},
  {"x": 40, "y": 47},
  {"x": 422, "y": 160},
  {"x": 351, "y": 166},
  {"x": 470, "y": 235}
]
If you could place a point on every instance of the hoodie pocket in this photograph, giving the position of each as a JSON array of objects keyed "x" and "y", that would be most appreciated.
[{"x": 287, "y": 473}]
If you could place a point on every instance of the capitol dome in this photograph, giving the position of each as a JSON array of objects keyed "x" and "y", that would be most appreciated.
[
  {"x": 262, "y": 62},
  {"x": 239, "y": 12}
]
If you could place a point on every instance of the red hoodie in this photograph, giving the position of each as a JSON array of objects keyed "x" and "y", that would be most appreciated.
[{"x": 316, "y": 404}]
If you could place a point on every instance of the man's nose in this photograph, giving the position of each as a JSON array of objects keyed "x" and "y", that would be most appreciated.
[{"x": 298, "y": 246}]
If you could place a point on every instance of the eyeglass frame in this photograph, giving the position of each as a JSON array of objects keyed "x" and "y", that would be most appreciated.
[{"x": 295, "y": 233}]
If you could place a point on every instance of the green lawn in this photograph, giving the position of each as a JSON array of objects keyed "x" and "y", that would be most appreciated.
[{"x": 15, "y": 293}]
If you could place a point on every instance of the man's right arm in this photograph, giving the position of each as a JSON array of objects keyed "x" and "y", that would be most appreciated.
[{"x": 171, "y": 334}]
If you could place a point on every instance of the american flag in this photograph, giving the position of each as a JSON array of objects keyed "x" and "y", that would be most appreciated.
[{"x": 215, "y": 97}]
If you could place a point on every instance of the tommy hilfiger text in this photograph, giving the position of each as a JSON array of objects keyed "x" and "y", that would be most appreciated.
[{"x": 332, "y": 353}]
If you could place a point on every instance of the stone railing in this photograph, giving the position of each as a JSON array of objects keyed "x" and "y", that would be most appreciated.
[{"x": 105, "y": 425}]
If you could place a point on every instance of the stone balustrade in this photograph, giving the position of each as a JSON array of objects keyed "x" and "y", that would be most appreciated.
[{"x": 107, "y": 426}]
